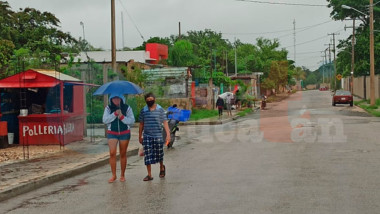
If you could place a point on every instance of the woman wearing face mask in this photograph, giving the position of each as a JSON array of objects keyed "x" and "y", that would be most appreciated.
[
  {"x": 152, "y": 116},
  {"x": 118, "y": 117}
]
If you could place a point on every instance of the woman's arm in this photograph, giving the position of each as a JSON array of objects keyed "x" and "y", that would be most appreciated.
[
  {"x": 129, "y": 118},
  {"x": 108, "y": 117},
  {"x": 141, "y": 128}
]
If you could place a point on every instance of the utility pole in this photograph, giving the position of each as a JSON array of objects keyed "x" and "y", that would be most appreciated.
[
  {"x": 122, "y": 29},
  {"x": 113, "y": 36},
  {"x": 352, "y": 56},
  {"x": 329, "y": 52},
  {"x": 179, "y": 30},
  {"x": 211, "y": 95},
  {"x": 326, "y": 60},
  {"x": 329, "y": 64},
  {"x": 84, "y": 79},
  {"x": 323, "y": 70},
  {"x": 334, "y": 50},
  {"x": 113, "y": 55},
  {"x": 372, "y": 55},
  {"x": 235, "y": 59},
  {"x": 227, "y": 63},
  {"x": 294, "y": 38}
]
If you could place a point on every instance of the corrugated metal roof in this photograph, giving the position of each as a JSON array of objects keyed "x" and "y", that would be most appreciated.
[
  {"x": 166, "y": 72},
  {"x": 57, "y": 75},
  {"x": 121, "y": 56}
]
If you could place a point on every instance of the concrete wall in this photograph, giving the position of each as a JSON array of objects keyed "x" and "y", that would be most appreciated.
[
  {"x": 360, "y": 83},
  {"x": 311, "y": 87}
]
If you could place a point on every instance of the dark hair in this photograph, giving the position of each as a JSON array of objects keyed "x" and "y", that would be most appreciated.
[
  {"x": 150, "y": 94},
  {"x": 123, "y": 107}
]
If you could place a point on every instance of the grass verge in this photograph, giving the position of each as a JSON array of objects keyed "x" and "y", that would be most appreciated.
[
  {"x": 198, "y": 114},
  {"x": 244, "y": 112},
  {"x": 374, "y": 110}
]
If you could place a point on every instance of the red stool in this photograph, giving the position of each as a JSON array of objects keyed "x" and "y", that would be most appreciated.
[{"x": 3, "y": 134}]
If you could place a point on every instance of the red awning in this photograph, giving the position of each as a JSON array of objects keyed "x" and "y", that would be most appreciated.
[{"x": 34, "y": 78}]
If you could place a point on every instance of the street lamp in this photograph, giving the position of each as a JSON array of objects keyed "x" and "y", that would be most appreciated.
[
  {"x": 371, "y": 50},
  {"x": 351, "y": 8},
  {"x": 84, "y": 39}
]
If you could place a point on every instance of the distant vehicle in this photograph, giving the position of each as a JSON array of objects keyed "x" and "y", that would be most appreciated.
[
  {"x": 323, "y": 88},
  {"x": 342, "y": 97}
]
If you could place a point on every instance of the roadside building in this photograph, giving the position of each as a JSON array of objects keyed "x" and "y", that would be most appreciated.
[{"x": 49, "y": 105}]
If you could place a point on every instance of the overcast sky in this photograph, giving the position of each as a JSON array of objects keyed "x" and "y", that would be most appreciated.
[{"x": 241, "y": 19}]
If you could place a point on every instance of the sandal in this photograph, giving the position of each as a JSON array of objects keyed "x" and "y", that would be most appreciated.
[
  {"x": 111, "y": 180},
  {"x": 148, "y": 178},
  {"x": 163, "y": 172},
  {"x": 122, "y": 179}
]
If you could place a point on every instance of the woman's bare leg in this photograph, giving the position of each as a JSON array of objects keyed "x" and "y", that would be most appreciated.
[
  {"x": 112, "y": 144},
  {"x": 123, "y": 146}
]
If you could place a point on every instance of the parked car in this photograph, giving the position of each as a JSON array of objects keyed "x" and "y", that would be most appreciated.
[{"x": 342, "y": 97}]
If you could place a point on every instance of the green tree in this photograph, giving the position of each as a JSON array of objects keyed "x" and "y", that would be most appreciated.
[
  {"x": 33, "y": 37},
  {"x": 6, "y": 51},
  {"x": 181, "y": 54},
  {"x": 311, "y": 79},
  {"x": 209, "y": 48},
  {"x": 279, "y": 74},
  {"x": 166, "y": 41},
  {"x": 362, "y": 36}
]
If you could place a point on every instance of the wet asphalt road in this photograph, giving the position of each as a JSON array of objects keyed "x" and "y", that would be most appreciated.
[{"x": 300, "y": 156}]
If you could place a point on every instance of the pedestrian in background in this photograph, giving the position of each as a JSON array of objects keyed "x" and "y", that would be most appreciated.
[
  {"x": 151, "y": 118},
  {"x": 238, "y": 99},
  {"x": 228, "y": 104},
  {"x": 118, "y": 117},
  {"x": 220, "y": 106}
]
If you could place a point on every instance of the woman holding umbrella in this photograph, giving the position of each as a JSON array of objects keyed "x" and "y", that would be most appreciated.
[{"x": 118, "y": 116}]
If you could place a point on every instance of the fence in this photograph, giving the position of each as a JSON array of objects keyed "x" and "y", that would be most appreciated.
[{"x": 362, "y": 86}]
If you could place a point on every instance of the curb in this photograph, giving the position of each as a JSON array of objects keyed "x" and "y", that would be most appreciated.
[
  {"x": 101, "y": 125},
  {"x": 215, "y": 122},
  {"x": 33, "y": 185}
]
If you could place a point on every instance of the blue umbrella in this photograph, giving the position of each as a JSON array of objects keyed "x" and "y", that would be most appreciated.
[{"x": 118, "y": 87}]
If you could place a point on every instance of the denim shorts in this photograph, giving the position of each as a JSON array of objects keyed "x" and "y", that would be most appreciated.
[{"x": 119, "y": 137}]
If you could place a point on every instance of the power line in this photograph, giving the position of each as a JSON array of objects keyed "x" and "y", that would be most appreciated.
[
  {"x": 281, "y": 3},
  {"x": 279, "y": 31},
  {"x": 130, "y": 17},
  {"x": 310, "y": 52},
  {"x": 302, "y": 43},
  {"x": 304, "y": 29}
]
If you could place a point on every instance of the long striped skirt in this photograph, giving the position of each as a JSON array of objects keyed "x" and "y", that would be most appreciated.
[{"x": 153, "y": 149}]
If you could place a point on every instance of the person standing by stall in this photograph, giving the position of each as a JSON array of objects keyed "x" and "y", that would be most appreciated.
[
  {"x": 9, "y": 114},
  {"x": 118, "y": 117},
  {"x": 220, "y": 106},
  {"x": 152, "y": 117}
]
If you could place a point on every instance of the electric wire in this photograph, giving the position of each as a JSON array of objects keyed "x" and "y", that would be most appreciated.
[
  {"x": 283, "y": 3},
  {"x": 133, "y": 22},
  {"x": 280, "y": 31},
  {"x": 313, "y": 40}
]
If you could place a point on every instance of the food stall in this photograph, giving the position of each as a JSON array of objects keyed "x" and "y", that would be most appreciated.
[{"x": 49, "y": 105}]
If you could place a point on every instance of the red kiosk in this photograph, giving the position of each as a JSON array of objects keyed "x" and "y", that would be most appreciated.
[{"x": 51, "y": 106}]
